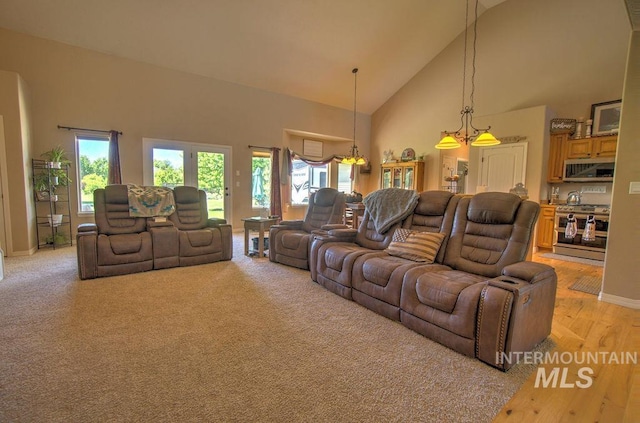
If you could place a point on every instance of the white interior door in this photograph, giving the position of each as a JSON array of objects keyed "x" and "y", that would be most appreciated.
[{"x": 503, "y": 166}]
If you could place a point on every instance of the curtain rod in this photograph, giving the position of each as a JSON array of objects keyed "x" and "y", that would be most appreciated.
[
  {"x": 69, "y": 128},
  {"x": 263, "y": 148}
]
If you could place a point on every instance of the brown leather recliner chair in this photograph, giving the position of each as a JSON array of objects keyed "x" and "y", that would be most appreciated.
[
  {"x": 289, "y": 241},
  {"x": 189, "y": 237},
  {"x": 117, "y": 243},
  {"x": 489, "y": 300}
]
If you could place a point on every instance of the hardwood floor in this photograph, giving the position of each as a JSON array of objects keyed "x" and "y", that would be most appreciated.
[{"x": 581, "y": 323}]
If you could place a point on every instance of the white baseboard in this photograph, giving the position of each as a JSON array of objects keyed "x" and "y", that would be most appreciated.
[{"x": 621, "y": 301}]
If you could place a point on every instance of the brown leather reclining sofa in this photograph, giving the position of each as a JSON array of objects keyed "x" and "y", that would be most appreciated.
[
  {"x": 118, "y": 244},
  {"x": 479, "y": 296}
]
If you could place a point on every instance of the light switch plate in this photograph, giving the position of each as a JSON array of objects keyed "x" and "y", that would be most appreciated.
[
  {"x": 594, "y": 189},
  {"x": 634, "y": 187}
]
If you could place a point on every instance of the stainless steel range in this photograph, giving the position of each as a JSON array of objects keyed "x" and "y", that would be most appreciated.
[{"x": 593, "y": 247}]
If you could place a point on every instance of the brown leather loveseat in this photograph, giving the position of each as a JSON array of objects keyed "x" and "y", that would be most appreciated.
[
  {"x": 118, "y": 243},
  {"x": 477, "y": 296}
]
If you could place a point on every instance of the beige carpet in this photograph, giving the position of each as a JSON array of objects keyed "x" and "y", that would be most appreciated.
[{"x": 240, "y": 341}]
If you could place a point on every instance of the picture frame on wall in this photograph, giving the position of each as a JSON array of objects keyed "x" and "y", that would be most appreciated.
[{"x": 606, "y": 117}]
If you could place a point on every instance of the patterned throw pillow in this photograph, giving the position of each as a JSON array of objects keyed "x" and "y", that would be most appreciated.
[{"x": 416, "y": 246}]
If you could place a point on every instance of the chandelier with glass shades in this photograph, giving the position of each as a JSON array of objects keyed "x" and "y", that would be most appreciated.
[
  {"x": 354, "y": 157},
  {"x": 478, "y": 137}
]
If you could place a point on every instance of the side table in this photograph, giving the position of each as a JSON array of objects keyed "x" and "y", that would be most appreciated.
[
  {"x": 357, "y": 210},
  {"x": 260, "y": 225}
]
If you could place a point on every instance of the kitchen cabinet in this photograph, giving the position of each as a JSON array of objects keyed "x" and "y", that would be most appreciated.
[
  {"x": 592, "y": 148},
  {"x": 405, "y": 175},
  {"x": 557, "y": 148},
  {"x": 546, "y": 225}
]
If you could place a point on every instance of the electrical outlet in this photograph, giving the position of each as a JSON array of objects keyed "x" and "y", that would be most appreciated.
[{"x": 594, "y": 189}]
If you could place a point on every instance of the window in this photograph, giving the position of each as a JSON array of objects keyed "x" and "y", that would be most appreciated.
[
  {"x": 344, "y": 178},
  {"x": 93, "y": 168},
  {"x": 261, "y": 179},
  {"x": 306, "y": 179}
]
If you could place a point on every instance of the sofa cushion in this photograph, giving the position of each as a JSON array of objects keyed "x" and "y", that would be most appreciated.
[
  {"x": 416, "y": 246},
  {"x": 126, "y": 243},
  {"x": 493, "y": 208},
  {"x": 440, "y": 290},
  {"x": 200, "y": 238}
]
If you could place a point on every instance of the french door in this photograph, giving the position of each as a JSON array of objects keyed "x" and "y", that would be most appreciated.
[{"x": 208, "y": 167}]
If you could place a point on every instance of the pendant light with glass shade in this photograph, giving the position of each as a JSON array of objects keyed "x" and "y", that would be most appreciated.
[
  {"x": 354, "y": 157},
  {"x": 478, "y": 137}
]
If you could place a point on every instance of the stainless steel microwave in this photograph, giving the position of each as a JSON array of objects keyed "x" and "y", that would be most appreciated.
[{"x": 589, "y": 170}]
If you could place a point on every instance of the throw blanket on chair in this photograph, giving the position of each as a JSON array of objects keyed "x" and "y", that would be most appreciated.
[
  {"x": 388, "y": 206},
  {"x": 150, "y": 201}
]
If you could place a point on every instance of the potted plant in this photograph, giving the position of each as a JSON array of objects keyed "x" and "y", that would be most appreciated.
[
  {"x": 45, "y": 182},
  {"x": 56, "y": 239},
  {"x": 56, "y": 157}
]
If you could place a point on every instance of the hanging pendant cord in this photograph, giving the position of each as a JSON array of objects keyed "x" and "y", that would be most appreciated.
[
  {"x": 473, "y": 56},
  {"x": 355, "y": 92},
  {"x": 464, "y": 59}
]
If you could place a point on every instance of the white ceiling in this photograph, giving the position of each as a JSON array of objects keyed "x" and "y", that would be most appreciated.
[{"x": 302, "y": 48}]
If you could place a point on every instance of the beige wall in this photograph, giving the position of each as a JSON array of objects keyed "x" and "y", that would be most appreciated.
[
  {"x": 15, "y": 165},
  {"x": 621, "y": 281},
  {"x": 76, "y": 87},
  {"x": 565, "y": 54},
  {"x": 562, "y": 54}
]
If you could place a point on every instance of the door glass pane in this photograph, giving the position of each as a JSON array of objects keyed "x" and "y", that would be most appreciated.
[
  {"x": 386, "y": 178},
  {"x": 344, "y": 178},
  {"x": 210, "y": 168},
  {"x": 397, "y": 177},
  {"x": 408, "y": 178},
  {"x": 168, "y": 167}
]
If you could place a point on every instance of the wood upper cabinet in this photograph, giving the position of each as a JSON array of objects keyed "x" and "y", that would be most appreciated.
[
  {"x": 605, "y": 146},
  {"x": 546, "y": 226},
  {"x": 406, "y": 175},
  {"x": 592, "y": 148},
  {"x": 562, "y": 148},
  {"x": 557, "y": 147}
]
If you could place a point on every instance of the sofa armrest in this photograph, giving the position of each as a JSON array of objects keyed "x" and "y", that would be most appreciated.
[
  {"x": 226, "y": 235},
  {"x": 514, "y": 314},
  {"x": 333, "y": 226},
  {"x": 213, "y": 222},
  {"x": 528, "y": 271},
  {"x": 87, "y": 227},
  {"x": 294, "y": 224},
  {"x": 87, "y": 251},
  {"x": 344, "y": 234},
  {"x": 165, "y": 242}
]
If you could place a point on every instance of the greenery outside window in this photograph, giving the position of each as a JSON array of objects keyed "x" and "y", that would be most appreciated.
[
  {"x": 260, "y": 180},
  {"x": 93, "y": 168}
]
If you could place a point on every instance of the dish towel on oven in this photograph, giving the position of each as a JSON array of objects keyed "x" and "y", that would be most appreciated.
[
  {"x": 147, "y": 201},
  {"x": 388, "y": 206}
]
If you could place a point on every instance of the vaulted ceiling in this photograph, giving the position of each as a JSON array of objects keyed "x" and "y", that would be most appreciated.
[{"x": 301, "y": 48}]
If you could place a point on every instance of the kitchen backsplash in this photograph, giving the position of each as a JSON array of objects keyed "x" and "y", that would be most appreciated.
[{"x": 588, "y": 194}]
